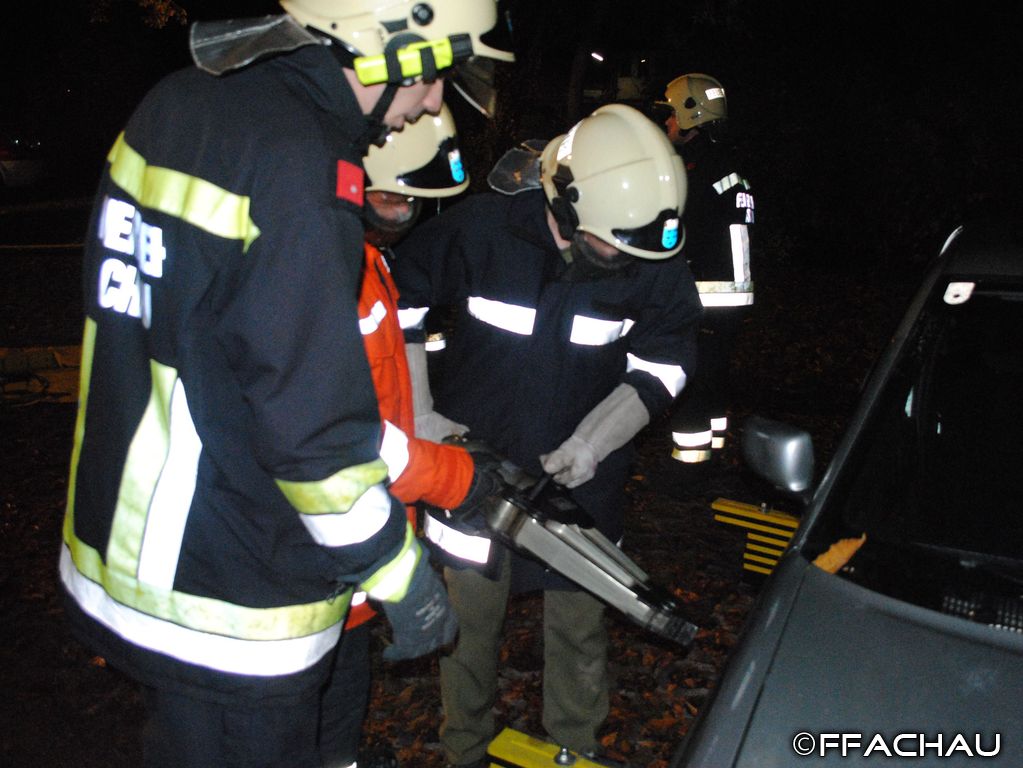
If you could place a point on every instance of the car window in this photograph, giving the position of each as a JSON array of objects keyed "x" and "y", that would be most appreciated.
[{"x": 935, "y": 479}]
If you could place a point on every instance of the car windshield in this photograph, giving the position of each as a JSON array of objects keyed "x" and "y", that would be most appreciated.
[{"x": 935, "y": 480}]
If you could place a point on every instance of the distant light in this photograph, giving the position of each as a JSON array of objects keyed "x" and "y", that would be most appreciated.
[{"x": 597, "y": 56}]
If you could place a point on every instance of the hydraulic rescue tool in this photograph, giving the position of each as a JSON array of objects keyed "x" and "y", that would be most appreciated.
[{"x": 540, "y": 519}]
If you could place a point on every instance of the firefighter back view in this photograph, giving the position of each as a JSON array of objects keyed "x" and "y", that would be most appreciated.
[{"x": 718, "y": 219}]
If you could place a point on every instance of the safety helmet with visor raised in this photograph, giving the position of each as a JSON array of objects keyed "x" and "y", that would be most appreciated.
[
  {"x": 695, "y": 100},
  {"x": 616, "y": 176}
]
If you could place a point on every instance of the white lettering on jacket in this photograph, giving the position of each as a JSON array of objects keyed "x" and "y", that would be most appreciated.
[{"x": 121, "y": 287}]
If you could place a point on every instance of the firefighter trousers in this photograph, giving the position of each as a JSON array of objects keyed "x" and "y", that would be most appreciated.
[{"x": 575, "y": 675}]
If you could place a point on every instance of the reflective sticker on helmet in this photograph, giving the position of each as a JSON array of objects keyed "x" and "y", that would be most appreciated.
[
  {"x": 715, "y": 93},
  {"x": 669, "y": 235},
  {"x": 455, "y": 163}
]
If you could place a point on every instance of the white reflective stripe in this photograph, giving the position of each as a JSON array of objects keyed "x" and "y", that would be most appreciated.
[
  {"x": 715, "y": 93},
  {"x": 476, "y": 549},
  {"x": 509, "y": 317},
  {"x": 589, "y": 331},
  {"x": 368, "y": 515},
  {"x": 358, "y": 598},
  {"x": 412, "y": 317},
  {"x": 717, "y": 443},
  {"x": 719, "y": 423},
  {"x": 394, "y": 450},
  {"x": 690, "y": 456},
  {"x": 395, "y": 582},
  {"x": 264, "y": 658},
  {"x": 692, "y": 439},
  {"x": 435, "y": 342},
  {"x": 371, "y": 322},
  {"x": 739, "y": 236},
  {"x": 731, "y": 180},
  {"x": 172, "y": 497},
  {"x": 726, "y": 299},
  {"x": 671, "y": 376}
]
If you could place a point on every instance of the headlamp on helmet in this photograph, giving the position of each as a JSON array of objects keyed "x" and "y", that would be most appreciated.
[{"x": 398, "y": 41}]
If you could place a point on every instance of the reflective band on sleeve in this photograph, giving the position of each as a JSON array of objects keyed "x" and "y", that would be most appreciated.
[
  {"x": 731, "y": 180},
  {"x": 371, "y": 322},
  {"x": 189, "y": 198},
  {"x": 671, "y": 376},
  {"x": 717, "y": 443},
  {"x": 390, "y": 583},
  {"x": 282, "y": 648},
  {"x": 589, "y": 331},
  {"x": 691, "y": 456},
  {"x": 509, "y": 317},
  {"x": 336, "y": 493},
  {"x": 724, "y": 293},
  {"x": 366, "y": 517},
  {"x": 412, "y": 317},
  {"x": 475, "y": 549},
  {"x": 719, "y": 423},
  {"x": 394, "y": 451},
  {"x": 692, "y": 439},
  {"x": 435, "y": 342}
]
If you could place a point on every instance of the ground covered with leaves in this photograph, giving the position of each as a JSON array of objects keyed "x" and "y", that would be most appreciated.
[{"x": 803, "y": 355}]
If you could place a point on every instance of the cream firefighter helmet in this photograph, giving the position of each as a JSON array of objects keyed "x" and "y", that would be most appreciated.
[
  {"x": 696, "y": 99},
  {"x": 396, "y": 40},
  {"x": 616, "y": 175},
  {"x": 421, "y": 160}
]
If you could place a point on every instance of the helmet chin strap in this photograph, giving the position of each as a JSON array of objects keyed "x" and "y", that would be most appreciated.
[{"x": 376, "y": 130}]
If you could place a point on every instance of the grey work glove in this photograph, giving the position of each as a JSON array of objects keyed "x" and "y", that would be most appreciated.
[
  {"x": 423, "y": 620},
  {"x": 430, "y": 425},
  {"x": 612, "y": 423}
]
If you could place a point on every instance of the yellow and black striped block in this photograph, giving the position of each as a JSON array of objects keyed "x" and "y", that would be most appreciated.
[{"x": 768, "y": 532}]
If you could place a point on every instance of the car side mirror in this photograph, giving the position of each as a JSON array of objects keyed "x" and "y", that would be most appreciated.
[{"x": 780, "y": 454}]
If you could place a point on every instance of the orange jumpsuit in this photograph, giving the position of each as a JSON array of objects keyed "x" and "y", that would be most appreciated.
[{"x": 420, "y": 470}]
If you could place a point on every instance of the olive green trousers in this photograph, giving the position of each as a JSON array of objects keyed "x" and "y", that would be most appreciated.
[{"x": 575, "y": 674}]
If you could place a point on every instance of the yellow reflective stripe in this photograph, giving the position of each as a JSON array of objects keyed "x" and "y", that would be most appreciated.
[
  {"x": 336, "y": 493},
  {"x": 85, "y": 376},
  {"x": 142, "y": 468},
  {"x": 206, "y": 614},
  {"x": 390, "y": 582},
  {"x": 189, "y": 198}
]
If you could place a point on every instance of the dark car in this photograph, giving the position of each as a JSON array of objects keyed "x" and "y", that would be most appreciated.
[
  {"x": 909, "y": 647},
  {"x": 22, "y": 162}
]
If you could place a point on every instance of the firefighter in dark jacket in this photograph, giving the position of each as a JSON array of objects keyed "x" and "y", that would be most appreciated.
[
  {"x": 576, "y": 325},
  {"x": 718, "y": 219},
  {"x": 227, "y": 492}
]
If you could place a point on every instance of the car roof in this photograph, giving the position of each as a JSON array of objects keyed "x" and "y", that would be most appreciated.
[{"x": 986, "y": 249}]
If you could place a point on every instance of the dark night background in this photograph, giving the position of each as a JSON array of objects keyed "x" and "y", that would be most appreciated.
[{"x": 869, "y": 130}]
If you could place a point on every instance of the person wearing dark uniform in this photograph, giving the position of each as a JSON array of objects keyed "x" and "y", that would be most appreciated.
[
  {"x": 718, "y": 220},
  {"x": 227, "y": 491},
  {"x": 576, "y": 325}
]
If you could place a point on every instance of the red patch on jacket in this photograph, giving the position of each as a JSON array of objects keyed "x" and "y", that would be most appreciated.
[{"x": 350, "y": 182}]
